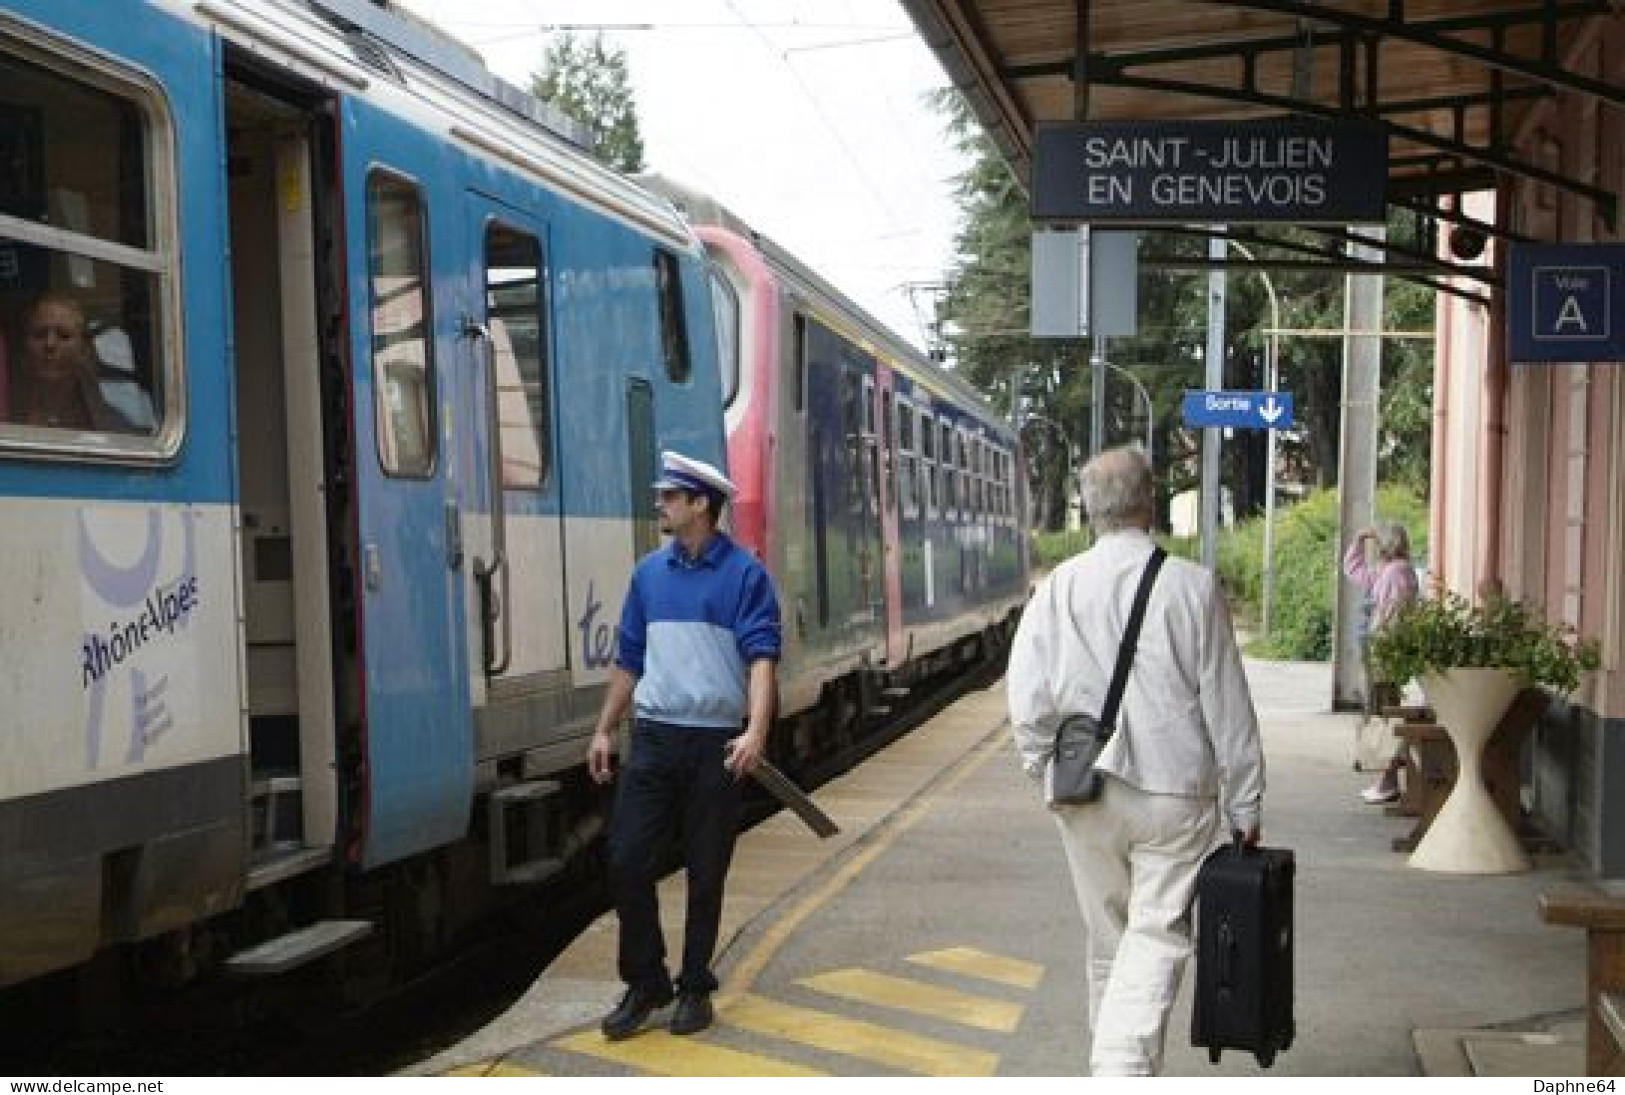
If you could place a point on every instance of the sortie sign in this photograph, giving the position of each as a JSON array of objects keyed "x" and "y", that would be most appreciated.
[{"x": 1233, "y": 172}]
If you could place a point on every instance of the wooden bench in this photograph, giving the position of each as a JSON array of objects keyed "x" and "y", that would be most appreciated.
[
  {"x": 1603, "y": 918},
  {"x": 1429, "y": 770},
  {"x": 1412, "y": 730}
]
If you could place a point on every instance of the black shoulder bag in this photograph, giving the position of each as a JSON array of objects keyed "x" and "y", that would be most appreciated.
[{"x": 1073, "y": 778}]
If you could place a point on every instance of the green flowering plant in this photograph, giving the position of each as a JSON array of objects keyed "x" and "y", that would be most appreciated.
[{"x": 1447, "y": 631}]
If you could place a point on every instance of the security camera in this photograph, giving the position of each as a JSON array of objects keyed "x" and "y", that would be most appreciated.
[{"x": 1466, "y": 243}]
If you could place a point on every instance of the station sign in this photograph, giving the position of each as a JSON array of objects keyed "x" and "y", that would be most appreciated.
[
  {"x": 1229, "y": 172},
  {"x": 1566, "y": 302},
  {"x": 1237, "y": 410}
]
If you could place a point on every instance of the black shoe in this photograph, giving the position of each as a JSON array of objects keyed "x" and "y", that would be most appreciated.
[
  {"x": 693, "y": 1013},
  {"x": 630, "y": 1014}
]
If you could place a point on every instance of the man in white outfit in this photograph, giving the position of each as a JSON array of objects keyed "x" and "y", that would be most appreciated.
[{"x": 1185, "y": 753}]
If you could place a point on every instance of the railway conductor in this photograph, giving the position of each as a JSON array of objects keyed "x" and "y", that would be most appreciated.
[{"x": 697, "y": 651}]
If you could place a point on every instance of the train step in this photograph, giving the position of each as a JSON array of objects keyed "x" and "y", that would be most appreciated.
[
  {"x": 522, "y": 826},
  {"x": 293, "y": 950}
]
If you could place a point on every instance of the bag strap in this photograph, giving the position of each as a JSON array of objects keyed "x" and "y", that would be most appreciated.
[{"x": 1131, "y": 639}]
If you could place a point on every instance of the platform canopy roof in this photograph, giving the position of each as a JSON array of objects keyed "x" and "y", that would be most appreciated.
[{"x": 1453, "y": 81}]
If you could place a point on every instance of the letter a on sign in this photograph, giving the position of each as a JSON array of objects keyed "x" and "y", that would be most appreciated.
[{"x": 1571, "y": 318}]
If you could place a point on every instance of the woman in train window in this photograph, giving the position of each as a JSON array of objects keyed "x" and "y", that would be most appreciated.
[{"x": 55, "y": 384}]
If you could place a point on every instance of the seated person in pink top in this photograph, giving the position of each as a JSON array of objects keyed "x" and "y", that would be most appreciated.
[{"x": 1388, "y": 586}]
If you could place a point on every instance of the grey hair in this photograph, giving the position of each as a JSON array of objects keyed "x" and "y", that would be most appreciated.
[
  {"x": 1118, "y": 491},
  {"x": 1393, "y": 542}
]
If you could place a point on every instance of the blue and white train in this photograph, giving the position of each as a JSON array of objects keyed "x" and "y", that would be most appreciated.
[
  {"x": 302, "y": 634},
  {"x": 347, "y": 600}
]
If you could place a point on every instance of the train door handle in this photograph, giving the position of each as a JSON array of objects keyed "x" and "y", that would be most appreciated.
[{"x": 454, "y": 537}]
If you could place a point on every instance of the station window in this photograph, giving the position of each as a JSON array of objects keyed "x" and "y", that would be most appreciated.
[
  {"x": 673, "y": 326},
  {"x": 88, "y": 361},
  {"x": 402, "y": 352},
  {"x": 515, "y": 299}
]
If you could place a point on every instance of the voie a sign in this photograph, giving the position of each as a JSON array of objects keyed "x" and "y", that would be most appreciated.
[
  {"x": 1565, "y": 302},
  {"x": 1232, "y": 172}
]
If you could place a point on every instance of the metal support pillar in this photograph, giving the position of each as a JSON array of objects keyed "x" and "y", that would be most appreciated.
[
  {"x": 1213, "y": 380},
  {"x": 1357, "y": 465}
]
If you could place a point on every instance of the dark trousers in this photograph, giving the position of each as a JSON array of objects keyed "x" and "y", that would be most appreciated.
[{"x": 673, "y": 784}]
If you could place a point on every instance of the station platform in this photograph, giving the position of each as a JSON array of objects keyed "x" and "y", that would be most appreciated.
[{"x": 937, "y": 934}]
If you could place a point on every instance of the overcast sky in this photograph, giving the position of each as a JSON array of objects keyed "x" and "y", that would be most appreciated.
[{"x": 806, "y": 117}]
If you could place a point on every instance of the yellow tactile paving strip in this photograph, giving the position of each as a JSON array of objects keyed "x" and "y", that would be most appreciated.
[
  {"x": 881, "y": 1045},
  {"x": 663, "y": 1054},
  {"x": 989, "y": 967},
  {"x": 918, "y": 998}
]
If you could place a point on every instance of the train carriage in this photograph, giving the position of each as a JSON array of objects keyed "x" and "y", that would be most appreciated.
[
  {"x": 879, "y": 488},
  {"x": 316, "y": 607}
]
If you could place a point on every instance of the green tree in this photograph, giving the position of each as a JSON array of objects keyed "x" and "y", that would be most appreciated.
[
  {"x": 1406, "y": 408},
  {"x": 985, "y": 317},
  {"x": 590, "y": 82}
]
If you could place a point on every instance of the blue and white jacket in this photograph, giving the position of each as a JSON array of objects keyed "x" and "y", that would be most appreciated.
[{"x": 690, "y": 628}]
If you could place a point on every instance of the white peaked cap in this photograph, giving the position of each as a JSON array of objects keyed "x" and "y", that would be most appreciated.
[{"x": 679, "y": 472}]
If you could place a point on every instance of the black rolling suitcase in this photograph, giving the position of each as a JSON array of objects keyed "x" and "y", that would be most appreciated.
[{"x": 1244, "y": 952}]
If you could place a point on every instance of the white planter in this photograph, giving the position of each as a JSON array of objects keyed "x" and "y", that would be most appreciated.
[{"x": 1469, "y": 835}]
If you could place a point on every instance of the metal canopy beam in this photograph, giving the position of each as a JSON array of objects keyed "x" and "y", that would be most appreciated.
[
  {"x": 1413, "y": 265},
  {"x": 1406, "y": 271},
  {"x": 1435, "y": 34}
]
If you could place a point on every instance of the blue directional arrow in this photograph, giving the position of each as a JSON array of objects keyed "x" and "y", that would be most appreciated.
[{"x": 1237, "y": 410}]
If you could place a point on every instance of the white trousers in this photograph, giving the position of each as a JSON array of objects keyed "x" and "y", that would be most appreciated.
[{"x": 1134, "y": 857}]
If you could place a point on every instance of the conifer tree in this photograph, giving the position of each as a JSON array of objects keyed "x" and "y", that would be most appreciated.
[{"x": 591, "y": 83}]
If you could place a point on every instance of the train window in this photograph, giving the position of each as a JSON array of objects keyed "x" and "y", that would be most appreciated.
[
  {"x": 928, "y": 471},
  {"x": 799, "y": 381},
  {"x": 673, "y": 327},
  {"x": 998, "y": 484},
  {"x": 725, "y": 302},
  {"x": 516, "y": 313},
  {"x": 888, "y": 443},
  {"x": 642, "y": 463},
  {"x": 851, "y": 415},
  {"x": 871, "y": 493},
  {"x": 402, "y": 352},
  {"x": 978, "y": 499},
  {"x": 907, "y": 480},
  {"x": 85, "y": 270},
  {"x": 1005, "y": 484},
  {"x": 956, "y": 461}
]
